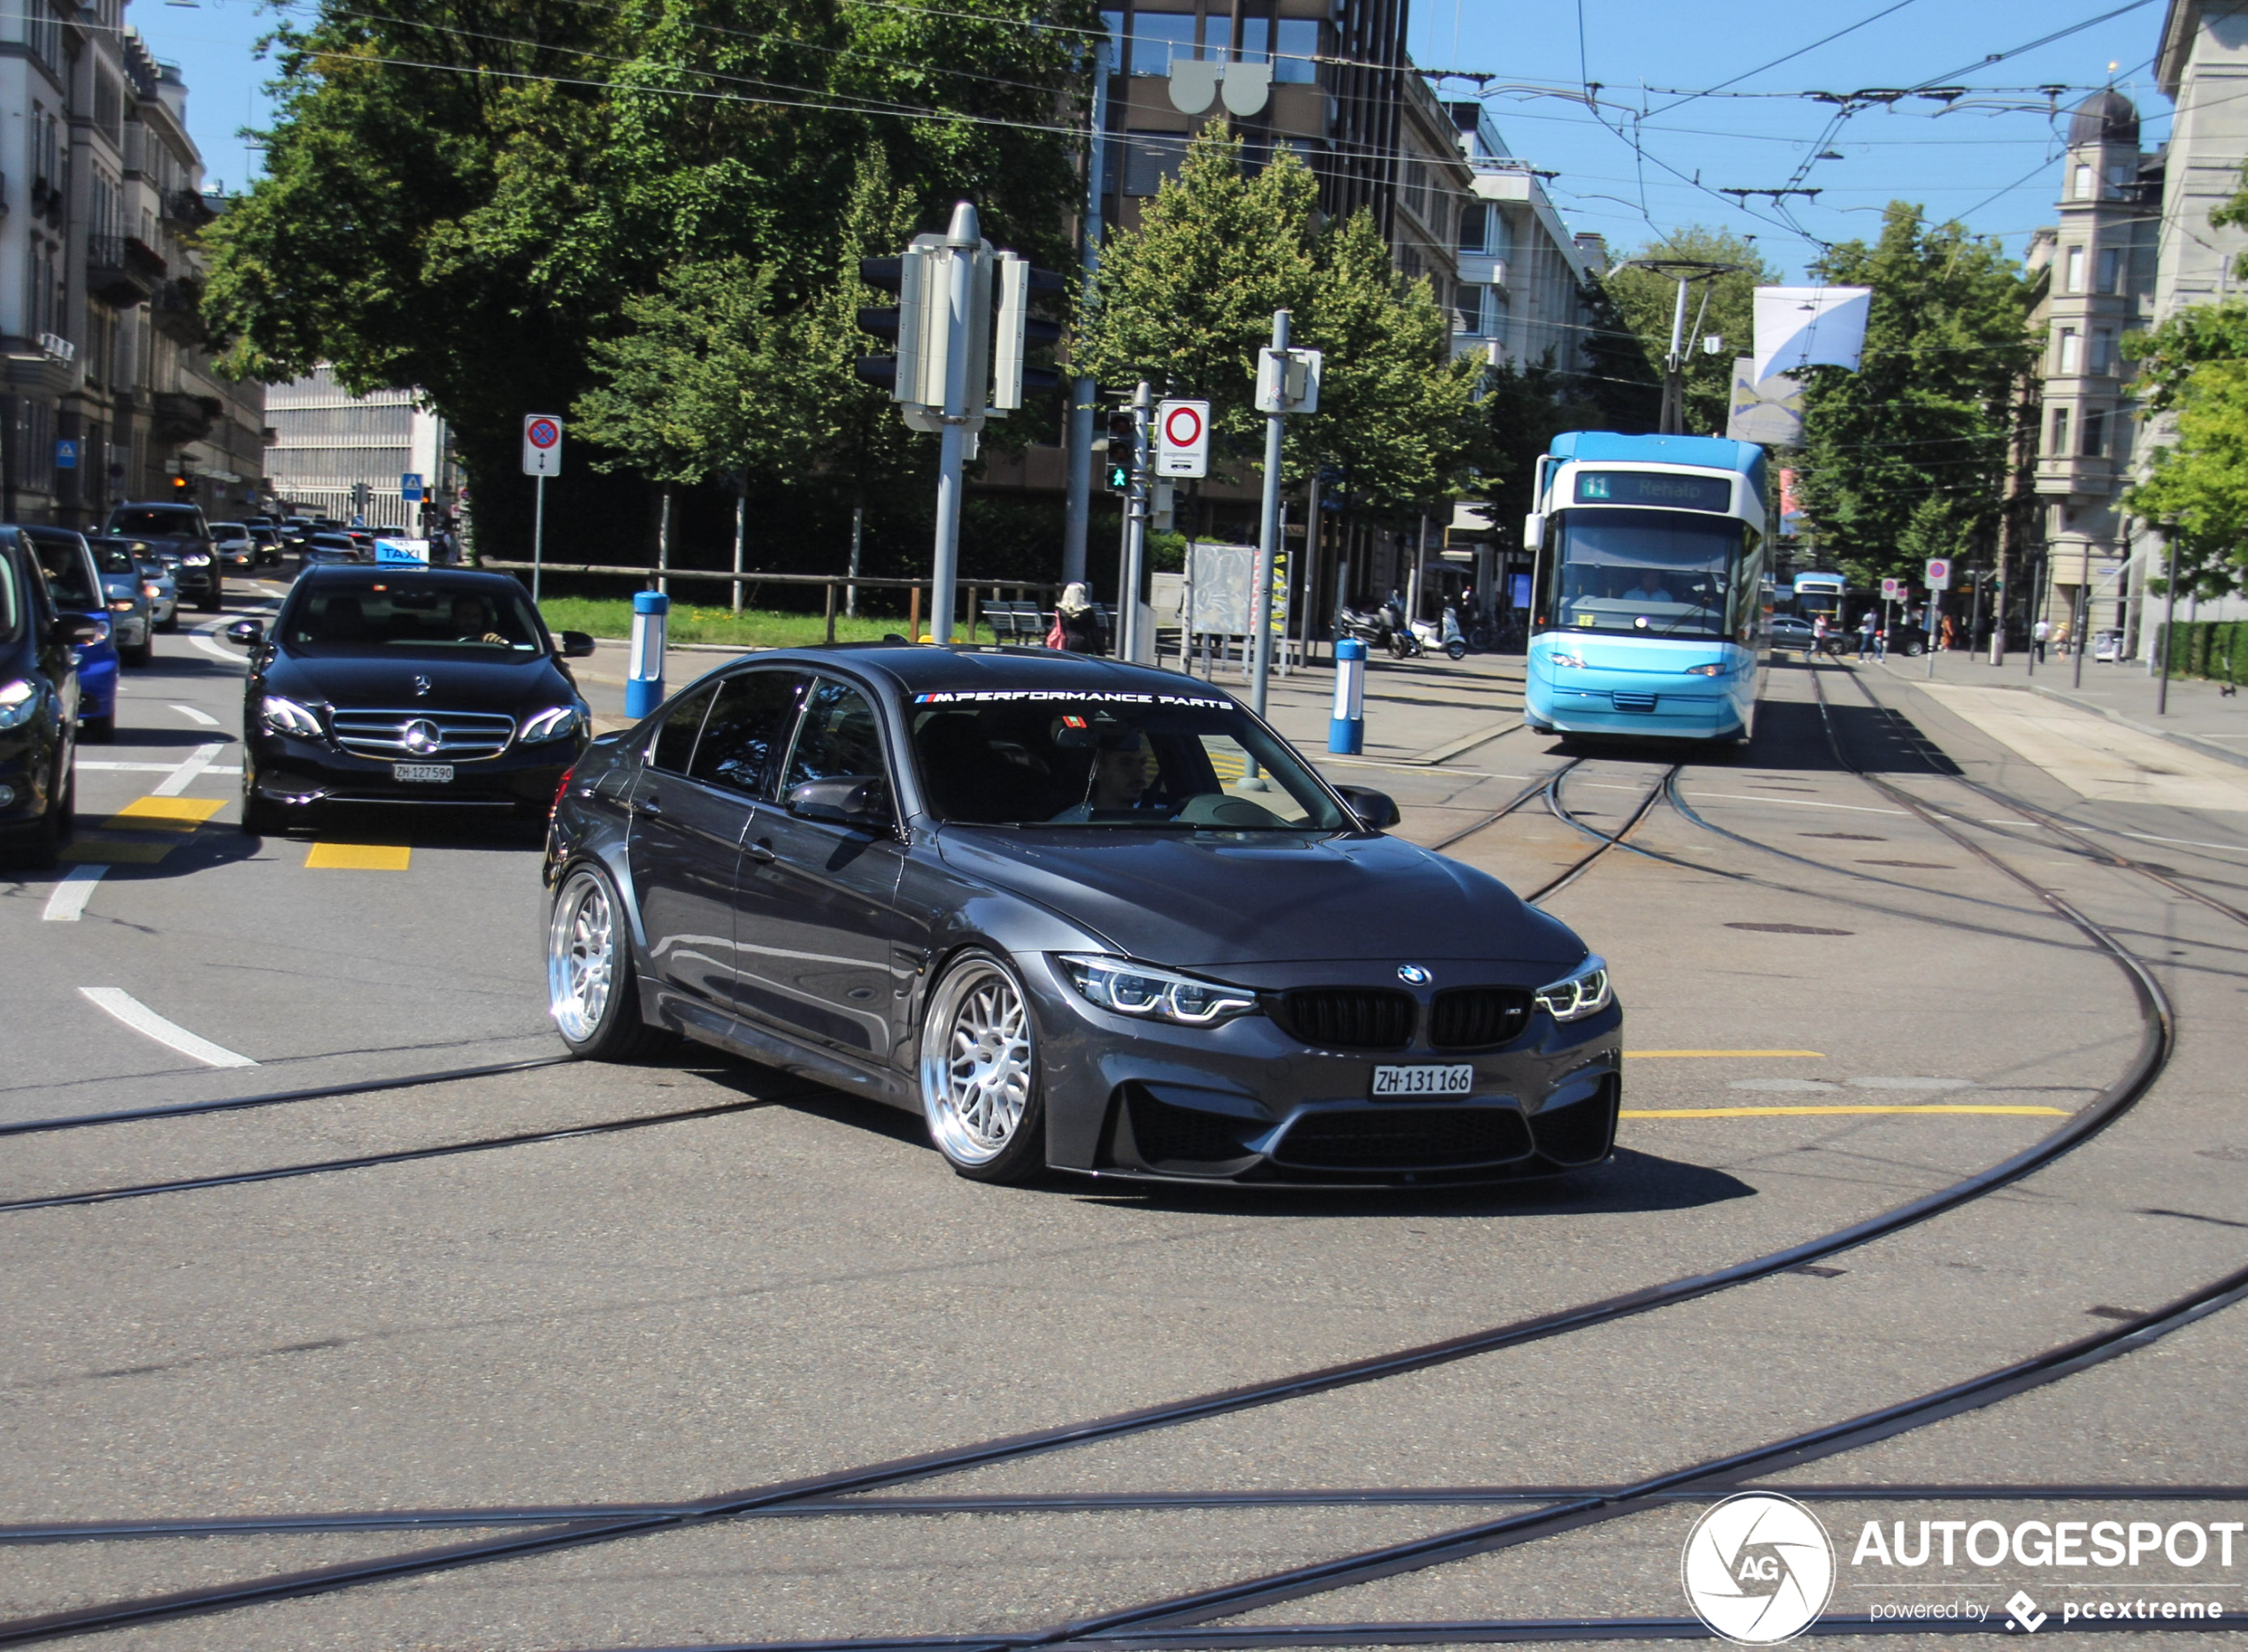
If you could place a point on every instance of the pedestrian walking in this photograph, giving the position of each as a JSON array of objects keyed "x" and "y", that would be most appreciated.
[
  {"x": 1078, "y": 623},
  {"x": 1866, "y": 634},
  {"x": 1817, "y": 635},
  {"x": 1880, "y": 643},
  {"x": 2040, "y": 634},
  {"x": 1948, "y": 636}
]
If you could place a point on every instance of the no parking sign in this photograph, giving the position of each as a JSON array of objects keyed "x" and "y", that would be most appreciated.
[
  {"x": 1182, "y": 439},
  {"x": 542, "y": 445}
]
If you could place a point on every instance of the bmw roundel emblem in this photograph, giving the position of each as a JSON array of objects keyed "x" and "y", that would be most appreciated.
[{"x": 1414, "y": 975}]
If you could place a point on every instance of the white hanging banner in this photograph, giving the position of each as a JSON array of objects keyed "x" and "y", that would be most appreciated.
[{"x": 1809, "y": 326}]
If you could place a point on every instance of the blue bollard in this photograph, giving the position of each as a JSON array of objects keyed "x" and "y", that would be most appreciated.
[
  {"x": 644, "y": 671},
  {"x": 1346, "y": 732}
]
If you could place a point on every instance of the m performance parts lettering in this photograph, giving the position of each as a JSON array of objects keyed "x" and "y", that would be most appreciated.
[{"x": 1064, "y": 697}]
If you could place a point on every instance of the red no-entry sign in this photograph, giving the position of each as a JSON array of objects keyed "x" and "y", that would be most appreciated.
[{"x": 1182, "y": 439}]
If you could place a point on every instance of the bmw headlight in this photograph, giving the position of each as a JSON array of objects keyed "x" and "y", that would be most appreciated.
[
  {"x": 196, "y": 559},
  {"x": 1584, "y": 991},
  {"x": 286, "y": 717},
  {"x": 1130, "y": 988},
  {"x": 552, "y": 725},
  {"x": 18, "y": 702}
]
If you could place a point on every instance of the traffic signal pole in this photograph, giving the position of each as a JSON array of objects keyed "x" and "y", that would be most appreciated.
[
  {"x": 1077, "y": 498},
  {"x": 1260, "y": 608},
  {"x": 965, "y": 238},
  {"x": 1135, "y": 508}
]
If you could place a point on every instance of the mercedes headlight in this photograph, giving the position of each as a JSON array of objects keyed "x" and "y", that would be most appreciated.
[
  {"x": 196, "y": 559},
  {"x": 1130, "y": 988},
  {"x": 18, "y": 703},
  {"x": 552, "y": 725},
  {"x": 1584, "y": 991},
  {"x": 286, "y": 717}
]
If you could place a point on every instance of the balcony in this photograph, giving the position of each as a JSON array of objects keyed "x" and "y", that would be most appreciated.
[
  {"x": 185, "y": 210},
  {"x": 2079, "y": 478},
  {"x": 122, "y": 270},
  {"x": 176, "y": 308},
  {"x": 179, "y": 417}
]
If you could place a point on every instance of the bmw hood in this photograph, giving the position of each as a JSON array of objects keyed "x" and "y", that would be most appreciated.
[
  {"x": 1206, "y": 900},
  {"x": 456, "y": 685}
]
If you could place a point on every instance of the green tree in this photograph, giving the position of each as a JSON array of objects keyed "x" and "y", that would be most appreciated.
[
  {"x": 2194, "y": 368},
  {"x": 1725, "y": 305},
  {"x": 1908, "y": 457},
  {"x": 464, "y": 195}
]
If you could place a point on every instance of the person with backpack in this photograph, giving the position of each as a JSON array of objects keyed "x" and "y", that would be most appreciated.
[{"x": 1077, "y": 624}]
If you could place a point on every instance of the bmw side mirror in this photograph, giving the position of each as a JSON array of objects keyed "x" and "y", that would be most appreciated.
[
  {"x": 246, "y": 634},
  {"x": 859, "y": 802},
  {"x": 1377, "y": 811},
  {"x": 577, "y": 645}
]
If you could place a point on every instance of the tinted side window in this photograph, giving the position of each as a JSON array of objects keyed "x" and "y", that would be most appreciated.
[
  {"x": 839, "y": 737},
  {"x": 70, "y": 576},
  {"x": 748, "y": 730},
  {"x": 675, "y": 737}
]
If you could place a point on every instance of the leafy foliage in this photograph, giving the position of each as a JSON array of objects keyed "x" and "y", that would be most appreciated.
[
  {"x": 1907, "y": 458},
  {"x": 2195, "y": 366}
]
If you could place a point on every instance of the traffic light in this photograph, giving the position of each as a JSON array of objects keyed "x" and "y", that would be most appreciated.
[
  {"x": 904, "y": 323},
  {"x": 1123, "y": 446},
  {"x": 179, "y": 485},
  {"x": 920, "y": 325}
]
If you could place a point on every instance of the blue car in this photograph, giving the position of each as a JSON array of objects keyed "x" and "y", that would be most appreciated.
[{"x": 75, "y": 582}]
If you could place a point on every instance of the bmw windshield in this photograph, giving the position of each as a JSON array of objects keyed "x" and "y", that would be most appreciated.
[
  {"x": 1642, "y": 573},
  {"x": 1116, "y": 761}
]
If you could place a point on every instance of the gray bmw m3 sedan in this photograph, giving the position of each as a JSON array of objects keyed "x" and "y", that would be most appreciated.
[{"x": 1078, "y": 915}]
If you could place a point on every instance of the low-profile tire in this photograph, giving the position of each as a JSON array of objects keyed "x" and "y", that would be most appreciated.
[
  {"x": 592, "y": 991},
  {"x": 40, "y": 845},
  {"x": 981, "y": 1091}
]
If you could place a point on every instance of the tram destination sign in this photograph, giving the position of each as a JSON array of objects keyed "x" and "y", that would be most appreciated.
[{"x": 1654, "y": 488}]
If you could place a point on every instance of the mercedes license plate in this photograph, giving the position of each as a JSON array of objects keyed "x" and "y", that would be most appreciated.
[
  {"x": 1452, "y": 1080},
  {"x": 437, "y": 774}
]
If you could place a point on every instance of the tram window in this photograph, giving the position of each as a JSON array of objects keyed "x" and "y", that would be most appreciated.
[{"x": 1645, "y": 572}]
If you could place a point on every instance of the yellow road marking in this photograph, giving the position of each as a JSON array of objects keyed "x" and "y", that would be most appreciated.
[
  {"x": 1683, "y": 1055},
  {"x": 172, "y": 814},
  {"x": 327, "y": 856},
  {"x": 1793, "y": 1113}
]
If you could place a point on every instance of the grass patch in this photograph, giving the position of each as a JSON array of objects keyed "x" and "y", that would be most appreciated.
[{"x": 752, "y": 628}]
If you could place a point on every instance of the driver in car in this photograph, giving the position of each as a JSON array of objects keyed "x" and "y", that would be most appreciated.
[
  {"x": 1122, "y": 766},
  {"x": 1650, "y": 588},
  {"x": 473, "y": 621}
]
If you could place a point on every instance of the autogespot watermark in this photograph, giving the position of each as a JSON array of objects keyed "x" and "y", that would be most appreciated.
[{"x": 1760, "y": 1568}]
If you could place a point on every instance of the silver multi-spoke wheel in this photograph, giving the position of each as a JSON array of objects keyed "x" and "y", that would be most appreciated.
[
  {"x": 581, "y": 945},
  {"x": 979, "y": 1072}
]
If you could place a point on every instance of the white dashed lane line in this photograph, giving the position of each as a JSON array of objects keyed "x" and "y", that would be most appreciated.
[
  {"x": 67, "y": 904},
  {"x": 184, "y": 776},
  {"x": 147, "y": 1022},
  {"x": 193, "y": 715},
  {"x": 154, "y": 768}
]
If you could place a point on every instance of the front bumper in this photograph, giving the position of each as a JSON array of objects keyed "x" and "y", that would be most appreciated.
[
  {"x": 1247, "y": 1103},
  {"x": 285, "y": 769}
]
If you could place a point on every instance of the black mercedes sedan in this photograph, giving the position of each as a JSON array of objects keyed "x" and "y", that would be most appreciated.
[
  {"x": 405, "y": 686},
  {"x": 1076, "y": 914}
]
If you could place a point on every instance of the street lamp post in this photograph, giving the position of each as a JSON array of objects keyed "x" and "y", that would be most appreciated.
[{"x": 2169, "y": 609}]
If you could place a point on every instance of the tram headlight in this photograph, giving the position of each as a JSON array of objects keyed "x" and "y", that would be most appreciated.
[
  {"x": 1715, "y": 668},
  {"x": 1566, "y": 660}
]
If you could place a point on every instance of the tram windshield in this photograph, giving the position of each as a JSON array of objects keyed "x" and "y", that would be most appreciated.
[{"x": 1648, "y": 574}]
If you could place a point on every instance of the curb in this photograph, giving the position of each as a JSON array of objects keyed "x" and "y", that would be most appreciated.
[{"x": 2206, "y": 748}]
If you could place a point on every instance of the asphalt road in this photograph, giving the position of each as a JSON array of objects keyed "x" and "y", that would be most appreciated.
[{"x": 1834, "y": 1006}]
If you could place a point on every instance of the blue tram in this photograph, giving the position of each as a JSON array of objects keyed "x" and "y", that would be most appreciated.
[{"x": 1649, "y": 603}]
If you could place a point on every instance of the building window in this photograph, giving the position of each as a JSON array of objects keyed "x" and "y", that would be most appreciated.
[
  {"x": 2111, "y": 267},
  {"x": 2072, "y": 352},
  {"x": 2074, "y": 282},
  {"x": 2057, "y": 449},
  {"x": 1157, "y": 36},
  {"x": 1475, "y": 220},
  {"x": 1149, "y": 158},
  {"x": 1473, "y": 309},
  {"x": 2083, "y": 184},
  {"x": 42, "y": 32},
  {"x": 2104, "y": 349},
  {"x": 1295, "y": 50},
  {"x": 2091, "y": 436}
]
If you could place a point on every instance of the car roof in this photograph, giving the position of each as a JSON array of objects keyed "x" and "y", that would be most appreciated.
[
  {"x": 920, "y": 668},
  {"x": 153, "y": 504},
  {"x": 374, "y": 574}
]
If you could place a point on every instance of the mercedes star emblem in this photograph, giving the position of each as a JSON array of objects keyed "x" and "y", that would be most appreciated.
[
  {"x": 422, "y": 737},
  {"x": 421, "y": 685}
]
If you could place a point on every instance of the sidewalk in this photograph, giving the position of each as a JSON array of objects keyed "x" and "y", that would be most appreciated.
[{"x": 2200, "y": 717}]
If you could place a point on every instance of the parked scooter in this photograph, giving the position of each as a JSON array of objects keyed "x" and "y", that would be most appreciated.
[{"x": 1380, "y": 627}]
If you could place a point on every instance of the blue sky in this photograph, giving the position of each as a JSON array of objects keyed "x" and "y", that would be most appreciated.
[
  {"x": 1972, "y": 160},
  {"x": 1992, "y": 160}
]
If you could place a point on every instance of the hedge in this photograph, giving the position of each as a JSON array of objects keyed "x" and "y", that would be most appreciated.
[{"x": 2214, "y": 648}]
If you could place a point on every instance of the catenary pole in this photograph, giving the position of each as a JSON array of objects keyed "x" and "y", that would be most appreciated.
[
  {"x": 1260, "y": 602},
  {"x": 1135, "y": 508},
  {"x": 1078, "y": 480},
  {"x": 2169, "y": 614},
  {"x": 962, "y": 241}
]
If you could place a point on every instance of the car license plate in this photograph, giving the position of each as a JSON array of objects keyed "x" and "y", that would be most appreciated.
[
  {"x": 438, "y": 773},
  {"x": 1452, "y": 1080}
]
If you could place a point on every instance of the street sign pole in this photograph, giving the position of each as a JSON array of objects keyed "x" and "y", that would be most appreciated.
[
  {"x": 542, "y": 458},
  {"x": 1132, "y": 646},
  {"x": 1937, "y": 575},
  {"x": 1077, "y": 506},
  {"x": 538, "y": 534},
  {"x": 1260, "y": 612}
]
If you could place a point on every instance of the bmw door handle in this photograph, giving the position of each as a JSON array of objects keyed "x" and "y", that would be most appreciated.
[
  {"x": 648, "y": 807},
  {"x": 761, "y": 851}
]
